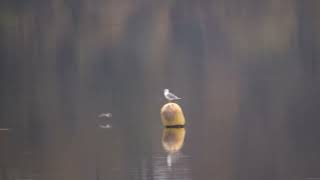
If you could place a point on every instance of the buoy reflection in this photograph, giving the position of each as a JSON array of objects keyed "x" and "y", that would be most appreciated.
[{"x": 173, "y": 139}]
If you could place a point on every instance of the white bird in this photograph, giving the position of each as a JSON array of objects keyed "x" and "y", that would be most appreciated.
[
  {"x": 169, "y": 96},
  {"x": 108, "y": 115}
]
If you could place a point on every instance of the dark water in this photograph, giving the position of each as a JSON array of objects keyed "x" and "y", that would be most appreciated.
[{"x": 248, "y": 74}]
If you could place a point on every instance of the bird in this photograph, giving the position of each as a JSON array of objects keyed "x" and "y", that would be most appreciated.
[
  {"x": 169, "y": 96},
  {"x": 105, "y": 125},
  {"x": 108, "y": 115}
]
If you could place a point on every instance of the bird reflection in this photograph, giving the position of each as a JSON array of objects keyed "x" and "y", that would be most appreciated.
[
  {"x": 173, "y": 158},
  {"x": 105, "y": 126}
]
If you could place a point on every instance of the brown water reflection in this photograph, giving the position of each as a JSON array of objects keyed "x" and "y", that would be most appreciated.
[{"x": 248, "y": 73}]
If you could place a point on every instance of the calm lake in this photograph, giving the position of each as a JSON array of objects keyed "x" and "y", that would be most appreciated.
[{"x": 247, "y": 72}]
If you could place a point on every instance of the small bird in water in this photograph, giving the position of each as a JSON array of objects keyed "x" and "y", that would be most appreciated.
[
  {"x": 105, "y": 123},
  {"x": 108, "y": 115},
  {"x": 169, "y": 96}
]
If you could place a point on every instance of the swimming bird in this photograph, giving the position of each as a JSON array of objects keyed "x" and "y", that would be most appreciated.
[
  {"x": 108, "y": 115},
  {"x": 169, "y": 96}
]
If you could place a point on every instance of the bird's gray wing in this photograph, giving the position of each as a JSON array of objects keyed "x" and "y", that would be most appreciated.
[{"x": 172, "y": 96}]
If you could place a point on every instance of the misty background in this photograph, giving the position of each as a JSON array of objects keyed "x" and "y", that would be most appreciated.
[{"x": 248, "y": 73}]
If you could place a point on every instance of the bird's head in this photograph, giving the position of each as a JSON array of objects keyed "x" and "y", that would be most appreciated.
[{"x": 166, "y": 90}]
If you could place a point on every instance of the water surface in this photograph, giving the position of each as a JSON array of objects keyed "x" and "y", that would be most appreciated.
[{"x": 248, "y": 74}]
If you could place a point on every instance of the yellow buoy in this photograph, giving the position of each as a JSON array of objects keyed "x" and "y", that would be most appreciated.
[
  {"x": 173, "y": 139},
  {"x": 172, "y": 115}
]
